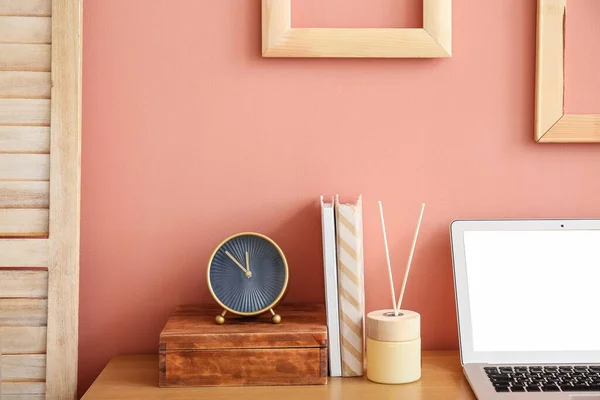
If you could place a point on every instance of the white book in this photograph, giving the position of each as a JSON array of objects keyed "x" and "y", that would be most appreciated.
[{"x": 331, "y": 287}]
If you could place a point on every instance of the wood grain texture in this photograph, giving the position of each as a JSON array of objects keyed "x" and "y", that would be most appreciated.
[
  {"x": 574, "y": 128},
  {"x": 253, "y": 367},
  {"x": 549, "y": 87},
  {"x": 30, "y": 284},
  {"x": 40, "y": 8},
  {"x": 193, "y": 327},
  {"x": 279, "y": 39},
  {"x": 23, "y": 312},
  {"x": 19, "y": 367},
  {"x": 23, "y": 339},
  {"x": 65, "y": 183},
  {"x": 25, "y": 57},
  {"x": 134, "y": 377},
  {"x": 24, "y": 397},
  {"x": 276, "y": 21},
  {"x": 23, "y": 253},
  {"x": 437, "y": 21},
  {"x": 323, "y": 363},
  {"x": 25, "y": 112},
  {"x": 382, "y": 328},
  {"x": 20, "y": 194},
  {"x": 244, "y": 351},
  {"x": 25, "y": 29},
  {"x": 25, "y": 85},
  {"x": 23, "y": 388},
  {"x": 23, "y": 167},
  {"x": 357, "y": 43},
  {"x": 16, "y": 222},
  {"x": 25, "y": 139}
]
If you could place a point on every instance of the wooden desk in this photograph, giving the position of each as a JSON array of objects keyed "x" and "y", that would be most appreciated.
[{"x": 136, "y": 377}]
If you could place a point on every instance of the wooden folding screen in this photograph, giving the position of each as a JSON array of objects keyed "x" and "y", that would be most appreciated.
[{"x": 40, "y": 96}]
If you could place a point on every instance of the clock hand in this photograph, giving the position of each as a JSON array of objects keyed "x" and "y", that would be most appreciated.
[
  {"x": 248, "y": 273},
  {"x": 235, "y": 261}
]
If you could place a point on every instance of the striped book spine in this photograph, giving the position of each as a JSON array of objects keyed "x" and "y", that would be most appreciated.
[{"x": 351, "y": 286}]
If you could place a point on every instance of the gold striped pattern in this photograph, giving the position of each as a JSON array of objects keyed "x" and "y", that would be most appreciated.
[
  {"x": 348, "y": 273},
  {"x": 354, "y": 327},
  {"x": 348, "y": 297},
  {"x": 350, "y": 286},
  {"x": 344, "y": 221},
  {"x": 348, "y": 249}
]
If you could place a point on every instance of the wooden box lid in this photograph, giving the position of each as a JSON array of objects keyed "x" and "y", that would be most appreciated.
[{"x": 194, "y": 327}]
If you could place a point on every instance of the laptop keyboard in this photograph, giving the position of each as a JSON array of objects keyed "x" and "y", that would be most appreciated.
[{"x": 547, "y": 378}]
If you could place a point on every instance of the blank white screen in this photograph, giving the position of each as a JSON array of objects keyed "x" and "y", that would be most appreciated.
[{"x": 534, "y": 290}]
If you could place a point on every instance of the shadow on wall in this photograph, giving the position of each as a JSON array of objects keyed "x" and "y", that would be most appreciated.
[{"x": 299, "y": 236}]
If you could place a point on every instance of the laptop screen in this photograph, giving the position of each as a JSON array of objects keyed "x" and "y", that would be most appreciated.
[{"x": 534, "y": 290}]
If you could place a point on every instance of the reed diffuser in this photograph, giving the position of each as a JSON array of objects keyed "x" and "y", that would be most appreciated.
[{"x": 394, "y": 336}]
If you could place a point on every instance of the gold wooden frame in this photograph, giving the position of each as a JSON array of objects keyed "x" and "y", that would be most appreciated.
[
  {"x": 279, "y": 39},
  {"x": 552, "y": 125}
]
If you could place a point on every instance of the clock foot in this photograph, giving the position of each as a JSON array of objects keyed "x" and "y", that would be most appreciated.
[
  {"x": 276, "y": 318},
  {"x": 220, "y": 319}
]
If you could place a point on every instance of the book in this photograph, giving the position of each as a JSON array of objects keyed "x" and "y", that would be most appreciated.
[
  {"x": 350, "y": 259},
  {"x": 331, "y": 286}
]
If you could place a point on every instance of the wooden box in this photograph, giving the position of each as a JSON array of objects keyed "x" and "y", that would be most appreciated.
[{"x": 195, "y": 351}]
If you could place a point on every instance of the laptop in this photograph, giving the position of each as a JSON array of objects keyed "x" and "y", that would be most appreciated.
[{"x": 528, "y": 307}]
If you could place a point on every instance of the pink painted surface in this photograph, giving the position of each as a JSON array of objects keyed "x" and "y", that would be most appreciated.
[
  {"x": 190, "y": 136},
  {"x": 582, "y": 57},
  {"x": 358, "y": 13}
]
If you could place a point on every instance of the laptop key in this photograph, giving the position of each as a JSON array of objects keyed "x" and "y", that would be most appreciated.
[
  {"x": 506, "y": 369},
  {"x": 536, "y": 369},
  {"x": 575, "y": 388},
  {"x": 533, "y": 389},
  {"x": 502, "y": 389},
  {"x": 521, "y": 369},
  {"x": 551, "y": 388},
  {"x": 565, "y": 368},
  {"x": 517, "y": 389}
]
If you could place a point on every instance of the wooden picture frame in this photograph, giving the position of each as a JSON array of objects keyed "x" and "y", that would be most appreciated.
[
  {"x": 39, "y": 304},
  {"x": 434, "y": 40},
  {"x": 552, "y": 125}
]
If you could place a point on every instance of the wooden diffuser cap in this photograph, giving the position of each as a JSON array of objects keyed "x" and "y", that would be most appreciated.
[{"x": 384, "y": 326}]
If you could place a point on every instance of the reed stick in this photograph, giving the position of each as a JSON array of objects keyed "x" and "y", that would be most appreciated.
[
  {"x": 410, "y": 257},
  {"x": 387, "y": 257}
]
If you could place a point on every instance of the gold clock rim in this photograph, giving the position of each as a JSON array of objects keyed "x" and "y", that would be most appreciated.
[{"x": 285, "y": 283}]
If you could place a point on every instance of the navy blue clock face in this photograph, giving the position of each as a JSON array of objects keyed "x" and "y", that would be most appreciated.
[{"x": 247, "y": 274}]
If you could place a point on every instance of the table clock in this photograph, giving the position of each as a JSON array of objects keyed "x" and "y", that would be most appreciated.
[{"x": 247, "y": 276}]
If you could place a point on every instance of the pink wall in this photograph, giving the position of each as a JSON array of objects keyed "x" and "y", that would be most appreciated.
[
  {"x": 190, "y": 136},
  {"x": 582, "y": 58}
]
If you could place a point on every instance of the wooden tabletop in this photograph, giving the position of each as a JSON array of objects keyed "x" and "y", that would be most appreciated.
[{"x": 136, "y": 377}]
